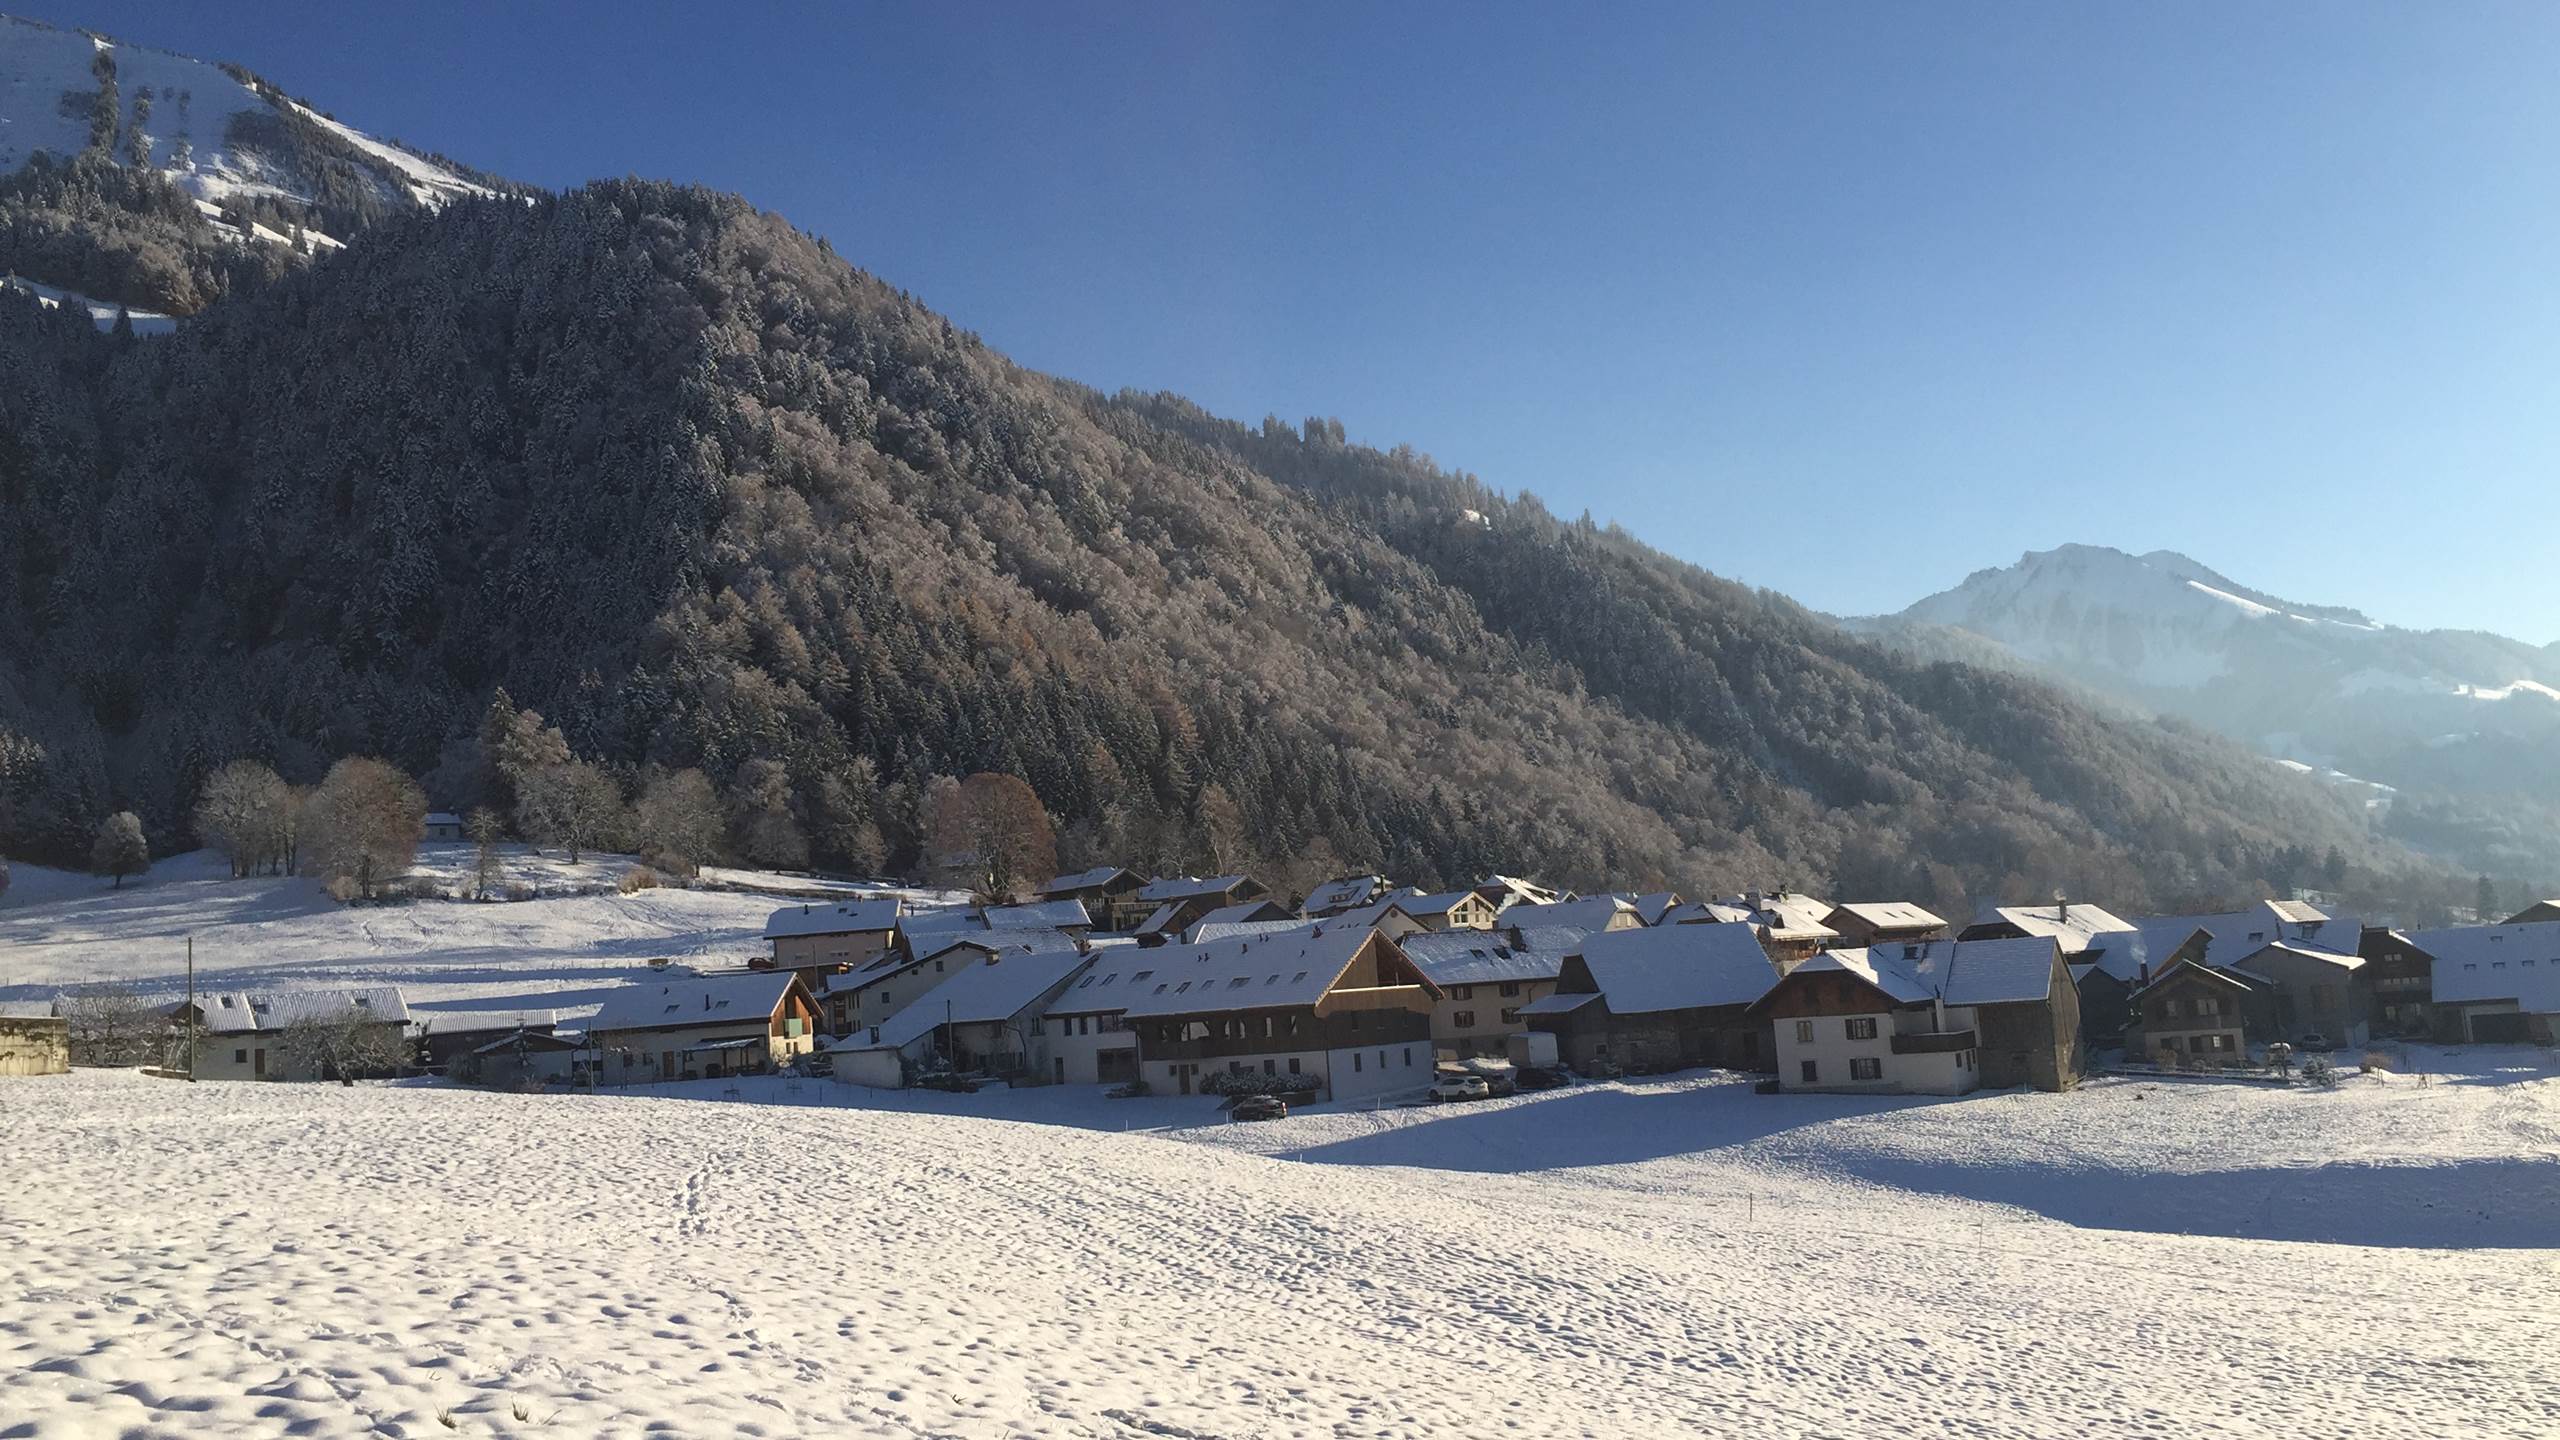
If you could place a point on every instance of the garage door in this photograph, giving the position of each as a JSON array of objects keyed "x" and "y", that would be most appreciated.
[{"x": 2501, "y": 1029}]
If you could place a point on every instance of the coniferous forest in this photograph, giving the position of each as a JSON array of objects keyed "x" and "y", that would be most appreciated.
[{"x": 706, "y": 496}]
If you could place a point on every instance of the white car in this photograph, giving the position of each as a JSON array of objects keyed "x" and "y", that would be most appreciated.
[{"x": 1459, "y": 1087}]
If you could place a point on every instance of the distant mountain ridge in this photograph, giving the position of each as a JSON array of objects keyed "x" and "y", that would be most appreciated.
[{"x": 2444, "y": 718}]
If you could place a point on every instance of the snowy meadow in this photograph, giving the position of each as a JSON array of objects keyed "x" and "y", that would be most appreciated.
[{"x": 1675, "y": 1257}]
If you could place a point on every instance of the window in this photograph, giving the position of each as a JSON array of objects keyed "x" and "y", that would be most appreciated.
[
  {"x": 1862, "y": 1027},
  {"x": 1293, "y": 1064},
  {"x": 1510, "y": 989},
  {"x": 1511, "y": 1015},
  {"x": 1804, "y": 1033},
  {"x": 1866, "y": 1067},
  {"x": 1142, "y": 976},
  {"x": 1462, "y": 992},
  {"x": 1269, "y": 1066},
  {"x": 1185, "y": 985},
  {"x": 937, "y": 967},
  {"x": 1408, "y": 1057},
  {"x": 1464, "y": 1019},
  {"x": 2173, "y": 1008},
  {"x": 1300, "y": 976},
  {"x": 1810, "y": 1071},
  {"x": 1355, "y": 1062},
  {"x": 1239, "y": 982},
  {"x": 239, "y": 1057}
]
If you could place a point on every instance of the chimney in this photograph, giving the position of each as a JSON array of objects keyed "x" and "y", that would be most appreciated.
[{"x": 2144, "y": 978}]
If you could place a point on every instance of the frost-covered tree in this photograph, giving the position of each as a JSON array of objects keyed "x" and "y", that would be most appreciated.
[
  {"x": 485, "y": 830},
  {"x": 120, "y": 848},
  {"x": 678, "y": 821},
  {"x": 366, "y": 820},
  {"x": 576, "y": 806},
  {"x": 245, "y": 812}
]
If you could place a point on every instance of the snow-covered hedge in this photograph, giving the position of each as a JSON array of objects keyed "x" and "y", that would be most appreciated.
[{"x": 1230, "y": 1083}]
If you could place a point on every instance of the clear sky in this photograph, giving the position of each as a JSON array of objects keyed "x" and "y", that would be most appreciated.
[{"x": 1845, "y": 299}]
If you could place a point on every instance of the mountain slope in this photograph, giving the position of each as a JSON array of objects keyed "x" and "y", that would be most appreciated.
[
  {"x": 146, "y": 179},
  {"x": 678, "y": 477},
  {"x": 2464, "y": 725}
]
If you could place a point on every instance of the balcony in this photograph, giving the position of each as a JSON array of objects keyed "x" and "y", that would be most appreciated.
[{"x": 1941, "y": 1042}]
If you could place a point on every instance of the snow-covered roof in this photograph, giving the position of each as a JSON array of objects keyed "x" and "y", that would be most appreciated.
[
  {"x": 2236, "y": 935},
  {"x": 2074, "y": 924},
  {"x": 1248, "y": 913},
  {"x": 1512, "y": 890},
  {"x": 947, "y": 920},
  {"x": 530, "y": 1038},
  {"x": 1440, "y": 904},
  {"x": 2476, "y": 963},
  {"x": 1046, "y": 914},
  {"x": 1162, "y": 918},
  {"x": 1678, "y": 967},
  {"x": 1890, "y": 914},
  {"x": 1373, "y": 914},
  {"x": 1106, "y": 985},
  {"x": 1786, "y": 914},
  {"x": 26, "y": 1009},
  {"x": 981, "y": 994},
  {"x": 2235, "y": 978},
  {"x": 471, "y": 1022},
  {"x": 712, "y": 1001},
  {"x": 1959, "y": 972},
  {"x": 1188, "y": 887},
  {"x": 1343, "y": 893},
  {"x": 1591, "y": 913},
  {"x": 1650, "y": 908},
  {"x": 237, "y": 1012},
  {"x": 844, "y": 918},
  {"x": 1294, "y": 967},
  {"x": 1024, "y": 940},
  {"x": 1490, "y": 957},
  {"x": 1206, "y": 931},
  {"x": 1083, "y": 880},
  {"x": 443, "y": 817},
  {"x": 2300, "y": 950},
  {"x": 1558, "y": 1004}
]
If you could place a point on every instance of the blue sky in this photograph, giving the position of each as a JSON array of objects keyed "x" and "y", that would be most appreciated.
[{"x": 1847, "y": 300}]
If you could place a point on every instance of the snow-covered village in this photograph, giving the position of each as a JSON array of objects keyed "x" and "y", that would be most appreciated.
[
  {"x": 1783, "y": 720},
  {"x": 767, "y": 1153}
]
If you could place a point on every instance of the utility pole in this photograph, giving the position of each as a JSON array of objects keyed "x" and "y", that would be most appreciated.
[{"x": 191, "y": 1009}]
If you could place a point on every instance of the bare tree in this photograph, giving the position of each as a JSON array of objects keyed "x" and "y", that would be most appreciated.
[
  {"x": 111, "y": 1025},
  {"x": 341, "y": 1045},
  {"x": 679, "y": 821},
  {"x": 245, "y": 812},
  {"x": 576, "y": 806},
  {"x": 990, "y": 831},
  {"x": 1222, "y": 828},
  {"x": 120, "y": 849},
  {"x": 367, "y": 818}
]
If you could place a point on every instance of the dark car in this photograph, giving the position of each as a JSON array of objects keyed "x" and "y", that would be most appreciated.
[
  {"x": 1536, "y": 1077},
  {"x": 1260, "y": 1107}
]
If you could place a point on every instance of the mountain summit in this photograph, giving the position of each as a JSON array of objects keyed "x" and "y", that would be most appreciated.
[{"x": 2465, "y": 724}]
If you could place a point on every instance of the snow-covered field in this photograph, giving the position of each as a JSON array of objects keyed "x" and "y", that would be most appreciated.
[
  {"x": 1675, "y": 1258},
  {"x": 1668, "y": 1257},
  {"x": 580, "y": 938}
]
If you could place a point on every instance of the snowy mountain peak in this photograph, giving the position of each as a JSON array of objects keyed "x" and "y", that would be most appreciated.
[
  {"x": 215, "y": 130},
  {"x": 149, "y": 179}
]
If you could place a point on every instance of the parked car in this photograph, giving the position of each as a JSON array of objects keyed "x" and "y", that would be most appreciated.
[
  {"x": 1537, "y": 1077},
  {"x": 2315, "y": 1041},
  {"x": 1260, "y": 1107},
  {"x": 1459, "y": 1087},
  {"x": 1130, "y": 1091},
  {"x": 817, "y": 1065}
]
